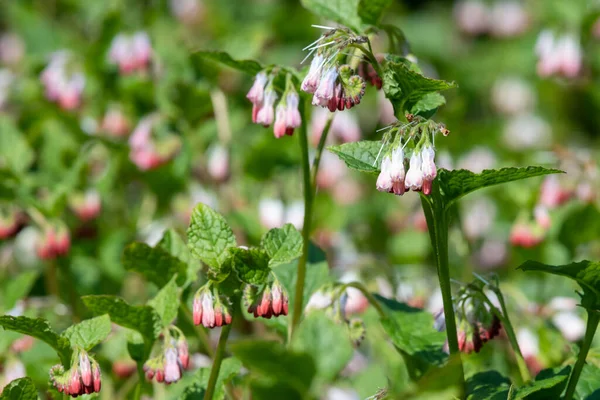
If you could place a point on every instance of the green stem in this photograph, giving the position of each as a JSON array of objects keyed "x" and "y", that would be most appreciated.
[
  {"x": 437, "y": 225},
  {"x": 69, "y": 280},
  {"x": 200, "y": 332},
  {"x": 320, "y": 147},
  {"x": 368, "y": 295},
  {"x": 590, "y": 331},
  {"x": 214, "y": 371},
  {"x": 137, "y": 394},
  {"x": 308, "y": 203},
  {"x": 512, "y": 338}
]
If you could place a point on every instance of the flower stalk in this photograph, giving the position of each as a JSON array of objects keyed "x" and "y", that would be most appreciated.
[
  {"x": 590, "y": 331},
  {"x": 214, "y": 371}
]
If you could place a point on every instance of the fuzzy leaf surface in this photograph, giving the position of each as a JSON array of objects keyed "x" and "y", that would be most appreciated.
[
  {"x": 154, "y": 263},
  {"x": 361, "y": 156},
  {"x": 251, "y": 265},
  {"x": 88, "y": 333},
  {"x": 20, "y": 389},
  {"x": 166, "y": 302},
  {"x": 371, "y": 11},
  {"x": 283, "y": 245}
]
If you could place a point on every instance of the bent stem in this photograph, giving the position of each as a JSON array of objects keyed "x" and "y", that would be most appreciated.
[
  {"x": 590, "y": 331},
  {"x": 437, "y": 224},
  {"x": 214, "y": 371}
]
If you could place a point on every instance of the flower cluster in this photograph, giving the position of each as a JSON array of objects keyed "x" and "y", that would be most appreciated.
[
  {"x": 501, "y": 19},
  {"x": 54, "y": 241},
  {"x": 286, "y": 117},
  {"x": 63, "y": 83},
  {"x": 394, "y": 178},
  {"x": 132, "y": 53},
  {"x": 147, "y": 152},
  {"x": 335, "y": 86},
  {"x": 173, "y": 357},
  {"x": 115, "y": 123},
  {"x": 211, "y": 309},
  {"x": 558, "y": 55},
  {"x": 270, "y": 301},
  {"x": 86, "y": 205},
  {"x": 83, "y": 377}
]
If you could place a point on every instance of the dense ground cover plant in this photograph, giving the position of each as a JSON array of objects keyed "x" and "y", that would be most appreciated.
[{"x": 195, "y": 203}]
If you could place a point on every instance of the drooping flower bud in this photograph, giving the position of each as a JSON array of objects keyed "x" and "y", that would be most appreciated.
[
  {"x": 428, "y": 167},
  {"x": 271, "y": 301},
  {"x": 525, "y": 234},
  {"x": 313, "y": 77},
  {"x": 384, "y": 180},
  {"x": 85, "y": 369},
  {"x": 172, "y": 369},
  {"x": 115, "y": 123},
  {"x": 257, "y": 91},
  {"x": 96, "y": 377},
  {"x": 86, "y": 205},
  {"x": 326, "y": 88},
  {"x": 183, "y": 352},
  {"x": 266, "y": 114},
  {"x": 414, "y": 176},
  {"x": 397, "y": 173}
]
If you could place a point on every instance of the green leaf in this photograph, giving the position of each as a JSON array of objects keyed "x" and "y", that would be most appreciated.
[
  {"x": 273, "y": 361},
  {"x": 327, "y": 343},
  {"x": 548, "y": 384},
  {"x": 412, "y": 332},
  {"x": 371, "y": 11},
  {"x": 428, "y": 104},
  {"x": 229, "y": 369},
  {"x": 39, "y": 328},
  {"x": 488, "y": 385},
  {"x": 166, "y": 302},
  {"x": 175, "y": 246},
  {"x": 580, "y": 226},
  {"x": 457, "y": 183},
  {"x": 341, "y": 11},
  {"x": 20, "y": 389},
  {"x": 143, "y": 319},
  {"x": 15, "y": 152},
  {"x": 88, "y": 333},
  {"x": 283, "y": 245},
  {"x": 588, "y": 386},
  {"x": 154, "y": 263},
  {"x": 16, "y": 288},
  {"x": 361, "y": 156},
  {"x": 251, "y": 265},
  {"x": 406, "y": 87},
  {"x": 209, "y": 236},
  {"x": 248, "y": 66}
]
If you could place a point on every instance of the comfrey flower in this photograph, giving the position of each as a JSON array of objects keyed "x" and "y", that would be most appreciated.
[
  {"x": 84, "y": 376},
  {"x": 131, "y": 53},
  {"x": 115, "y": 123},
  {"x": 287, "y": 115},
  {"x": 558, "y": 55},
  {"x": 172, "y": 357},
  {"x": 53, "y": 241},
  {"x": 271, "y": 301},
  {"x": 147, "y": 152},
  {"x": 391, "y": 177},
  {"x": 210, "y": 310},
  {"x": 414, "y": 176},
  {"x": 266, "y": 114},
  {"x": 428, "y": 167},
  {"x": 86, "y": 205},
  {"x": 334, "y": 87},
  {"x": 63, "y": 82}
]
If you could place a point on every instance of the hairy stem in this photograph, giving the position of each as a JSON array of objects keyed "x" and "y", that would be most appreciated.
[
  {"x": 200, "y": 332},
  {"x": 437, "y": 224},
  {"x": 590, "y": 331},
  {"x": 214, "y": 371}
]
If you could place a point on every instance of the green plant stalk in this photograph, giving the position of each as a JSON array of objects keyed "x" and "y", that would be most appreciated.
[
  {"x": 308, "y": 203},
  {"x": 137, "y": 394},
  {"x": 200, "y": 333},
  {"x": 320, "y": 147},
  {"x": 512, "y": 338},
  {"x": 590, "y": 331},
  {"x": 214, "y": 371},
  {"x": 437, "y": 224},
  {"x": 368, "y": 295}
]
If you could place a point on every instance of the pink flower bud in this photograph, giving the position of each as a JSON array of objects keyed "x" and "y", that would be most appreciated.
[
  {"x": 172, "y": 371},
  {"x": 384, "y": 180},
  {"x": 542, "y": 217},
  {"x": 326, "y": 88},
  {"x": 266, "y": 114},
  {"x": 160, "y": 375},
  {"x": 277, "y": 296},
  {"x": 218, "y": 315},
  {"x": 115, "y": 123},
  {"x": 85, "y": 369},
  {"x": 208, "y": 312},
  {"x": 183, "y": 352},
  {"x": 218, "y": 163},
  {"x": 279, "y": 128},
  {"x": 197, "y": 309},
  {"x": 397, "y": 174},
  {"x": 257, "y": 91},
  {"x": 414, "y": 176},
  {"x": 311, "y": 81},
  {"x": 74, "y": 387},
  {"x": 141, "y": 49}
]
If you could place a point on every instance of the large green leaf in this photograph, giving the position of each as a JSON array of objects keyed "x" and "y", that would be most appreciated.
[
  {"x": 428, "y": 104},
  {"x": 344, "y": 12},
  {"x": 15, "y": 152},
  {"x": 248, "y": 66},
  {"x": 166, "y": 302},
  {"x": 143, "y": 319},
  {"x": 209, "y": 236},
  {"x": 88, "y": 333},
  {"x": 283, "y": 245},
  {"x": 457, "y": 183},
  {"x": 154, "y": 263},
  {"x": 406, "y": 87},
  {"x": 20, "y": 389},
  {"x": 364, "y": 156},
  {"x": 174, "y": 245},
  {"x": 548, "y": 384},
  {"x": 412, "y": 332},
  {"x": 488, "y": 385},
  {"x": 586, "y": 273},
  {"x": 327, "y": 343},
  {"x": 251, "y": 265},
  {"x": 230, "y": 367},
  {"x": 588, "y": 386},
  {"x": 371, "y": 11},
  {"x": 40, "y": 329},
  {"x": 271, "y": 360}
]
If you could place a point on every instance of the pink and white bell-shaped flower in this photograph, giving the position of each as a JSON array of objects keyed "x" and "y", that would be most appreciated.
[
  {"x": 311, "y": 81},
  {"x": 266, "y": 113},
  {"x": 257, "y": 91},
  {"x": 414, "y": 176},
  {"x": 172, "y": 368},
  {"x": 326, "y": 88},
  {"x": 397, "y": 173},
  {"x": 428, "y": 167},
  {"x": 384, "y": 180}
]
